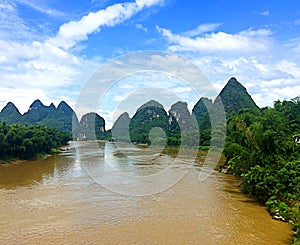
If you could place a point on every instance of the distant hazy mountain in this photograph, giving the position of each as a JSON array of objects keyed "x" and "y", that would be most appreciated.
[
  {"x": 120, "y": 129},
  {"x": 91, "y": 126},
  {"x": 179, "y": 114}
]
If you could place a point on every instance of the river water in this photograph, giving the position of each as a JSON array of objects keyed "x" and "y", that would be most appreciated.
[{"x": 55, "y": 201}]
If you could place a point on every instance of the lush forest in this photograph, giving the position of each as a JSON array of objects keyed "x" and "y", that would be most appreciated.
[
  {"x": 26, "y": 142},
  {"x": 262, "y": 148}
]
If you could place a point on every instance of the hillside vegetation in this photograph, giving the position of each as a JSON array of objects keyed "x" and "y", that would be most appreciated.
[
  {"x": 26, "y": 142},
  {"x": 261, "y": 147}
]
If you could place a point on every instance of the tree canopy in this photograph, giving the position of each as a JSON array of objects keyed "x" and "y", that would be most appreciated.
[
  {"x": 25, "y": 142},
  {"x": 260, "y": 147}
]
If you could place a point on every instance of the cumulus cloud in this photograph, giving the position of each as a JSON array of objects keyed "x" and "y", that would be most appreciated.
[
  {"x": 30, "y": 61},
  {"x": 244, "y": 41},
  {"x": 141, "y": 27},
  {"x": 202, "y": 28},
  {"x": 264, "y": 13},
  {"x": 75, "y": 31}
]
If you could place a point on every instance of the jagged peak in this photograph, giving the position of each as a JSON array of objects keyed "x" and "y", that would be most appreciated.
[
  {"x": 234, "y": 96},
  {"x": 151, "y": 103},
  {"x": 179, "y": 107},
  {"x": 37, "y": 103},
  {"x": 62, "y": 103},
  {"x": 91, "y": 115},
  {"x": 10, "y": 107},
  {"x": 63, "y": 106},
  {"x": 233, "y": 80},
  {"x": 124, "y": 115},
  {"x": 179, "y": 104},
  {"x": 52, "y": 106},
  {"x": 203, "y": 102},
  {"x": 233, "y": 83}
]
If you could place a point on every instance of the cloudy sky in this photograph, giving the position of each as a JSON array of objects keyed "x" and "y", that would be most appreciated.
[{"x": 49, "y": 48}]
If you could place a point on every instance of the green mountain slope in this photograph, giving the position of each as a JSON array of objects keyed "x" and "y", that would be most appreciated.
[
  {"x": 39, "y": 114},
  {"x": 150, "y": 115},
  {"x": 235, "y": 97},
  {"x": 10, "y": 114}
]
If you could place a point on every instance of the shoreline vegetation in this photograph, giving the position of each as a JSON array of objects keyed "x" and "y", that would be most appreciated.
[
  {"x": 38, "y": 156},
  {"x": 22, "y": 142},
  {"x": 262, "y": 149}
]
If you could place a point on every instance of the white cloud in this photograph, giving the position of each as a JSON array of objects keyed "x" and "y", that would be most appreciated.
[
  {"x": 75, "y": 31},
  {"x": 202, "y": 28},
  {"x": 108, "y": 115},
  {"x": 264, "y": 13},
  {"x": 12, "y": 26},
  {"x": 22, "y": 97},
  {"x": 119, "y": 98},
  {"x": 141, "y": 27},
  {"x": 246, "y": 41},
  {"x": 43, "y": 9},
  {"x": 147, "y": 3},
  {"x": 266, "y": 80},
  {"x": 178, "y": 89},
  {"x": 6, "y": 6},
  {"x": 35, "y": 66}
]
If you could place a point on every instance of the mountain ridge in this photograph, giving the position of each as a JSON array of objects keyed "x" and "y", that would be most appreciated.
[
  {"x": 234, "y": 97},
  {"x": 61, "y": 117}
]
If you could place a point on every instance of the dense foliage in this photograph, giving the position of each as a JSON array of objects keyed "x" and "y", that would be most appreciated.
[
  {"x": 261, "y": 149},
  {"x": 25, "y": 142}
]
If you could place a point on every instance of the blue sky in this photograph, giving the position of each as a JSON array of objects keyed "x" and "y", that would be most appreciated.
[{"x": 49, "y": 48}]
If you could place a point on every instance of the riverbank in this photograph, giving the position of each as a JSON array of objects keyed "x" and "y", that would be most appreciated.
[
  {"x": 10, "y": 161},
  {"x": 28, "y": 142},
  {"x": 280, "y": 208},
  {"x": 39, "y": 156}
]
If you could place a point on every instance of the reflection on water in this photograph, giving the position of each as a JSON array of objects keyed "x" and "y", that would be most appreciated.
[
  {"x": 52, "y": 169},
  {"x": 54, "y": 201}
]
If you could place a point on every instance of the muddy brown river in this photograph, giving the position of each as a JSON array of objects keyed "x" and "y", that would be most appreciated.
[{"x": 55, "y": 201}]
